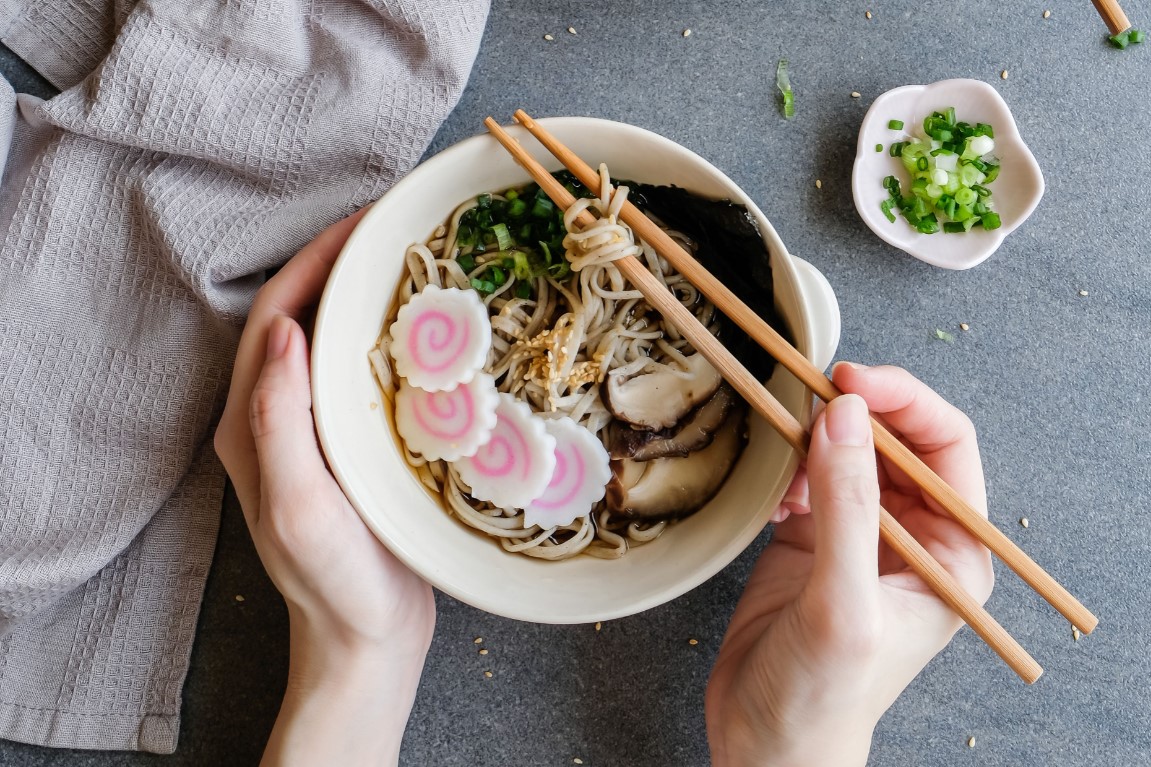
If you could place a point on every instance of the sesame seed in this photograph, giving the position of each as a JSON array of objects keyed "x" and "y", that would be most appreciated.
[
  {"x": 483, "y": 651},
  {"x": 1047, "y": 14},
  {"x": 549, "y": 38},
  {"x": 239, "y": 597},
  {"x": 868, "y": 14},
  {"x": 687, "y": 33},
  {"x": 693, "y": 642},
  {"x": 1003, "y": 74},
  {"x": 964, "y": 326},
  {"x": 855, "y": 94},
  {"x": 1075, "y": 633},
  {"x": 1025, "y": 522},
  {"x": 571, "y": 30},
  {"x": 1083, "y": 292},
  {"x": 488, "y": 674},
  {"x": 478, "y": 640},
  {"x": 598, "y": 625},
  {"x": 577, "y": 760},
  {"x": 971, "y": 742},
  {"x": 372, "y": 406},
  {"x": 818, "y": 184}
]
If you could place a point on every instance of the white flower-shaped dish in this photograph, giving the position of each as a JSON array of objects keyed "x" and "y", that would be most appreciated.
[{"x": 1015, "y": 193}]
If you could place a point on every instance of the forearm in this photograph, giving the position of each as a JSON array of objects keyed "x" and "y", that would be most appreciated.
[{"x": 345, "y": 706}]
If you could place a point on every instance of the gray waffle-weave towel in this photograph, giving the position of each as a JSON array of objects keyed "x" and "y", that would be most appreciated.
[{"x": 195, "y": 144}]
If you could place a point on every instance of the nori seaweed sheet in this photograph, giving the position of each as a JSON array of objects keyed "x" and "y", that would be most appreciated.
[{"x": 731, "y": 248}]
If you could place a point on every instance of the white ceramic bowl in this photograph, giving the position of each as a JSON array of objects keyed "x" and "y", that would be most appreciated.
[
  {"x": 353, "y": 424},
  {"x": 1016, "y": 192}
]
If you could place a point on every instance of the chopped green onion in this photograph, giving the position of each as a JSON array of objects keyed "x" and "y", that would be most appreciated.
[
  {"x": 498, "y": 275},
  {"x": 467, "y": 263},
  {"x": 483, "y": 286},
  {"x": 484, "y": 201},
  {"x": 783, "y": 82},
  {"x": 885, "y": 206},
  {"x": 943, "y": 335},
  {"x": 1121, "y": 39},
  {"x": 949, "y": 172},
  {"x": 1135, "y": 35},
  {"x": 517, "y": 208},
  {"x": 879, "y": 147},
  {"x": 503, "y": 239},
  {"x": 895, "y": 124},
  {"x": 523, "y": 289},
  {"x": 542, "y": 208},
  {"x": 928, "y": 224}
]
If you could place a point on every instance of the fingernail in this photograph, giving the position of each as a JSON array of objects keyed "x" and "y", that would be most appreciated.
[
  {"x": 852, "y": 365},
  {"x": 279, "y": 332},
  {"x": 847, "y": 420},
  {"x": 778, "y": 516}
]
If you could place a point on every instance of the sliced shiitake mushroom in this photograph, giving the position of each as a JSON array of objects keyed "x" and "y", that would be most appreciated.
[
  {"x": 694, "y": 432},
  {"x": 659, "y": 399},
  {"x": 670, "y": 488}
]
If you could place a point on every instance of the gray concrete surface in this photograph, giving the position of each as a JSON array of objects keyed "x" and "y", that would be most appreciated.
[{"x": 1055, "y": 381}]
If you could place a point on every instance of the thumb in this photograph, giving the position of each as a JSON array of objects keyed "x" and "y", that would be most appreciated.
[
  {"x": 281, "y": 416},
  {"x": 844, "y": 490}
]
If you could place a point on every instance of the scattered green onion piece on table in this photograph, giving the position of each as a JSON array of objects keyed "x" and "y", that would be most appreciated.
[
  {"x": 1135, "y": 36},
  {"x": 783, "y": 82},
  {"x": 943, "y": 335},
  {"x": 1121, "y": 39}
]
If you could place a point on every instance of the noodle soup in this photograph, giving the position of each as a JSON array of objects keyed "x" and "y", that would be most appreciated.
[
  {"x": 572, "y": 338},
  {"x": 352, "y": 417}
]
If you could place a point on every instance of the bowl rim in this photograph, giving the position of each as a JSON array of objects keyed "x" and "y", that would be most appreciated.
[{"x": 718, "y": 559}]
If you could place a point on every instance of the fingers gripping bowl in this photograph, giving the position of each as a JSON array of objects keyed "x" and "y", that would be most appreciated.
[{"x": 354, "y": 426}]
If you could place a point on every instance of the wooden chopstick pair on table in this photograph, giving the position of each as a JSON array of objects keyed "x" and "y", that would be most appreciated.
[{"x": 909, "y": 549}]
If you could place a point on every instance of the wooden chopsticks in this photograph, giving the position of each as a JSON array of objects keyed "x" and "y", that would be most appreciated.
[
  {"x": 814, "y": 379},
  {"x": 941, "y": 582},
  {"x": 1113, "y": 16}
]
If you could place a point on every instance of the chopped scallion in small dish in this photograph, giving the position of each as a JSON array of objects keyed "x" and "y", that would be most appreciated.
[{"x": 956, "y": 177}]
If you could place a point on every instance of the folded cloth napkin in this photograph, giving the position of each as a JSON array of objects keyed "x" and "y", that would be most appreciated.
[{"x": 195, "y": 144}]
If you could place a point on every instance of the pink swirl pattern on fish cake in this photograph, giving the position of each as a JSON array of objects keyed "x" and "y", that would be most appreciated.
[
  {"x": 447, "y": 425},
  {"x": 441, "y": 338},
  {"x": 517, "y": 462},
  {"x": 579, "y": 480}
]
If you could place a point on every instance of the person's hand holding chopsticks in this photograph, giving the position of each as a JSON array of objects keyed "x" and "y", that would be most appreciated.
[{"x": 832, "y": 626}]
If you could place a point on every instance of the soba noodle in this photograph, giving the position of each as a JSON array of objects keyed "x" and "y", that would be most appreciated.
[{"x": 553, "y": 350}]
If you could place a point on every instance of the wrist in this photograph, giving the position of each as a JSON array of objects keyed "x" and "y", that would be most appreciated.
[
  {"x": 347, "y": 700},
  {"x": 804, "y": 748}
]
